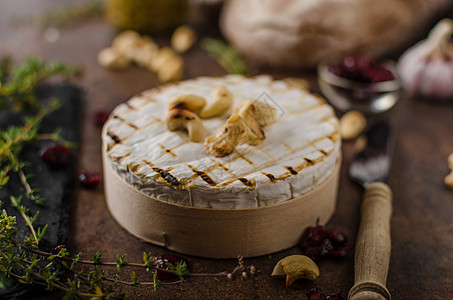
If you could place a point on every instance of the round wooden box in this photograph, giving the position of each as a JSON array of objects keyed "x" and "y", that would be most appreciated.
[{"x": 218, "y": 233}]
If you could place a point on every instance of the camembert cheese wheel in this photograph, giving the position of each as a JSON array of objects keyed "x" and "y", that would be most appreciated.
[{"x": 300, "y": 149}]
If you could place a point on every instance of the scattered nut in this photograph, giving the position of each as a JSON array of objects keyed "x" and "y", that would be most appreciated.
[
  {"x": 296, "y": 267},
  {"x": 171, "y": 70},
  {"x": 450, "y": 161},
  {"x": 352, "y": 124},
  {"x": 190, "y": 102},
  {"x": 244, "y": 275},
  {"x": 126, "y": 42},
  {"x": 263, "y": 113},
  {"x": 230, "y": 276},
  {"x": 243, "y": 126},
  {"x": 228, "y": 137},
  {"x": 144, "y": 52},
  {"x": 183, "y": 38},
  {"x": 248, "y": 114},
  {"x": 112, "y": 59},
  {"x": 221, "y": 100},
  {"x": 130, "y": 47},
  {"x": 178, "y": 119},
  {"x": 449, "y": 180},
  {"x": 162, "y": 56}
]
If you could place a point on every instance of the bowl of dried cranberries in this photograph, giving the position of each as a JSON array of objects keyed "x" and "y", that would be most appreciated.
[{"x": 359, "y": 82}]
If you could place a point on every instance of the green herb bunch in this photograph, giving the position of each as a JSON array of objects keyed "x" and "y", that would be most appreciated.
[
  {"x": 18, "y": 83},
  {"x": 18, "y": 86},
  {"x": 87, "y": 278},
  {"x": 225, "y": 55}
]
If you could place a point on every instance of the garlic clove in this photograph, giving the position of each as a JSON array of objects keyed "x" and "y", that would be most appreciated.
[
  {"x": 411, "y": 67},
  {"x": 437, "y": 79},
  {"x": 427, "y": 68}
]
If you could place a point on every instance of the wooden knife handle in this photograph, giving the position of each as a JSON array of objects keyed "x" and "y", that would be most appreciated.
[{"x": 373, "y": 245}]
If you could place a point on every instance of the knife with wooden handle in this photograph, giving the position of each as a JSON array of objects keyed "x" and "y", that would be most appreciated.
[{"x": 373, "y": 245}]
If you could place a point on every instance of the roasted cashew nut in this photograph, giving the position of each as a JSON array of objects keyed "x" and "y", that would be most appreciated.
[
  {"x": 263, "y": 113},
  {"x": 296, "y": 267},
  {"x": 228, "y": 137},
  {"x": 183, "y": 38},
  {"x": 221, "y": 100},
  {"x": 234, "y": 131},
  {"x": 248, "y": 114},
  {"x": 352, "y": 124},
  {"x": 180, "y": 119},
  {"x": 189, "y": 102}
]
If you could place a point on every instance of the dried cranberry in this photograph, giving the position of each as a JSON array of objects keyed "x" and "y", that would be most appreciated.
[
  {"x": 335, "y": 235},
  {"x": 319, "y": 241},
  {"x": 361, "y": 68},
  {"x": 56, "y": 156},
  {"x": 315, "y": 294},
  {"x": 335, "y": 296},
  {"x": 341, "y": 252},
  {"x": 312, "y": 236},
  {"x": 379, "y": 74},
  {"x": 58, "y": 248},
  {"x": 161, "y": 263},
  {"x": 100, "y": 117},
  {"x": 89, "y": 180}
]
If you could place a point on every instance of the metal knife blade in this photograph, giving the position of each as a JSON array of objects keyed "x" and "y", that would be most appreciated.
[
  {"x": 370, "y": 168},
  {"x": 373, "y": 162}
]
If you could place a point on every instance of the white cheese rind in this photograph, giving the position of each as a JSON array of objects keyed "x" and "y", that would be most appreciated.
[{"x": 300, "y": 151}]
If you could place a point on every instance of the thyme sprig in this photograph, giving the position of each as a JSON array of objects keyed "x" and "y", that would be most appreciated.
[
  {"x": 225, "y": 55},
  {"x": 30, "y": 265},
  {"x": 12, "y": 141},
  {"x": 18, "y": 87},
  {"x": 18, "y": 83}
]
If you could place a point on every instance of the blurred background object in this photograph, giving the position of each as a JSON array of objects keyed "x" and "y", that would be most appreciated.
[
  {"x": 302, "y": 33},
  {"x": 147, "y": 16}
]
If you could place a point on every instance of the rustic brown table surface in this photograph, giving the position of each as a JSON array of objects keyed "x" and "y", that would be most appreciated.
[{"x": 421, "y": 265}]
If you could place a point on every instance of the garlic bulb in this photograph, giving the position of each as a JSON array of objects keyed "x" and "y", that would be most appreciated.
[{"x": 427, "y": 68}]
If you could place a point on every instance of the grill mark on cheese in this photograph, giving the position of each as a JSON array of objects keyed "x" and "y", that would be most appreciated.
[
  {"x": 285, "y": 145},
  {"x": 129, "y": 105},
  {"x": 169, "y": 151},
  {"x": 270, "y": 176},
  {"x": 291, "y": 170},
  {"x": 240, "y": 155},
  {"x": 323, "y": 152},
  {"x": 203, "y": 175},
  {"x": 121, "y": 158},
  {"x": 125, "y": 122},
  {"x": 309, "y": 161},
  {"x": 265, "y": 153},
  {"x": 290, "y": 152},
  {"x": 149, "y": 163},
  {"x": 114, "y": 137},
  {"x": 246, "y": 182},
  {"x": 223, "y": 167},
  {"x": 167, "y": 176},
  {"x": 334, "y": 136},
  {"x": 147, "y": 95}
]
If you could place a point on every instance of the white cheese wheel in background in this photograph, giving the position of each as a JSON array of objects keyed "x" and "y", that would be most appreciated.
[{"x": 300, "y": 151}]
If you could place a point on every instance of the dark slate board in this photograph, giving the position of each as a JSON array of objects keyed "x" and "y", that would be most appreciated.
[{"x": 55, "y": 184}]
